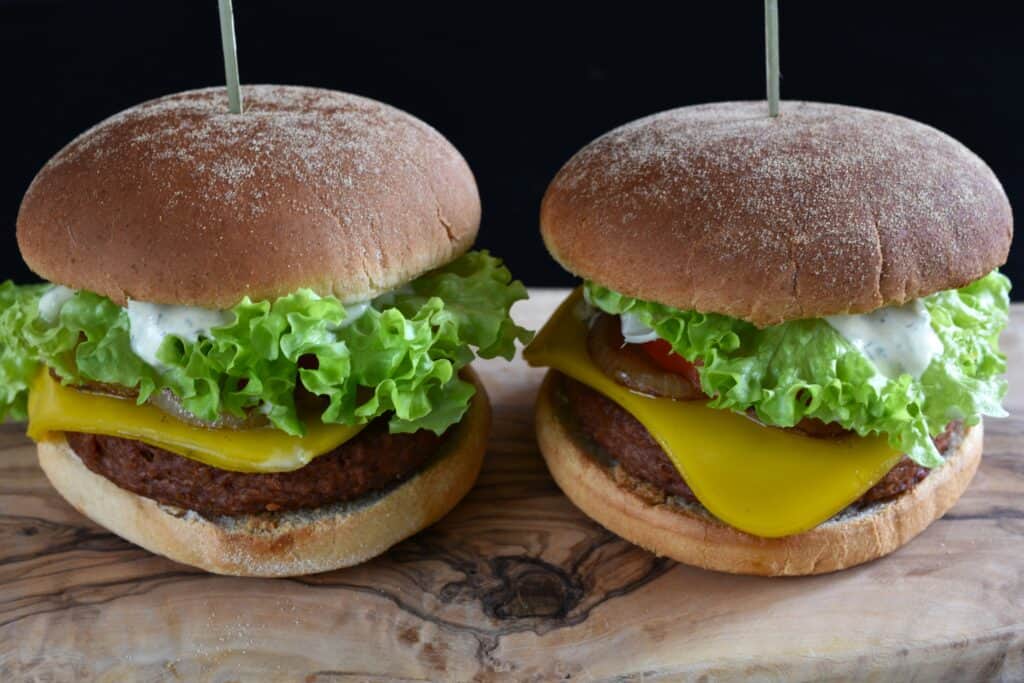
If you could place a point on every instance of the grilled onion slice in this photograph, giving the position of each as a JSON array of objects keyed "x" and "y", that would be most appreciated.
[{"x": 628, "y": 365}]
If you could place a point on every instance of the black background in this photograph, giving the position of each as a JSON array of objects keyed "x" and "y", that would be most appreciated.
[{"x": 516, "y": 87}]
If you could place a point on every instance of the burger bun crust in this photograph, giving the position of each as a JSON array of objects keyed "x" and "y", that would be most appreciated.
[
  {"x": 824, "y": 210},
  {"x": 179, "y": 201}
]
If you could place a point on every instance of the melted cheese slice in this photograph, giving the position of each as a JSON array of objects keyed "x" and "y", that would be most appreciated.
[
  {"x": 764, "y": 481},
  {"x": 56, "y": 408}
]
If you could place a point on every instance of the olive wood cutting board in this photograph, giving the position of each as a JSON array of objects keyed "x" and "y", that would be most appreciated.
[{"x": 516, "y": 584}]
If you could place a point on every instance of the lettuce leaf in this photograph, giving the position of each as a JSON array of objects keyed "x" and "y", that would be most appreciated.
[
  {"x": 804, "y": 368},
  {"x": 400, "y": 357},
  {"x": 18, "y": 365}
]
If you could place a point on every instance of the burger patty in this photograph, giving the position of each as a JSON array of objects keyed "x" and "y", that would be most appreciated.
[
  {"x": 370, "y": 461},
  {"x": 628, "y": 441}
]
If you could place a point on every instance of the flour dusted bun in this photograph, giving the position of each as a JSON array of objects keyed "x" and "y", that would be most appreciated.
[
  {"x": 179, "y": 201},
  {"x": 826, "y": 209},
  {"x": 281, "y": 544},
  {"x": 688, "y": 534}
]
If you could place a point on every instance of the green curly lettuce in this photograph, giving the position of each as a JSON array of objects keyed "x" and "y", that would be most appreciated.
[
  {"x": 18, "y": 364},
  {"x": 401, "y": 357},
  {"x": 805, "y": 368}
]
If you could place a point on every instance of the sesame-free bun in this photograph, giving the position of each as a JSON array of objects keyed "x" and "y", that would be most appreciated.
[
  {"x": 689, "y": 534},
  {"x": 179, "y": 201},
  {"x": 289, "y": 543},
  {"x": 825, "y": 209}
]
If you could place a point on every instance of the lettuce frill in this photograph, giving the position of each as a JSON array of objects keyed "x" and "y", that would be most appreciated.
[
  {"x": 399, "y": 358},
  {"x": 806, "y": 369}
]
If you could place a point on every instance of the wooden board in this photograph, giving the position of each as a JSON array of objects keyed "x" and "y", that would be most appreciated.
[{"x": 516, "y": 584}]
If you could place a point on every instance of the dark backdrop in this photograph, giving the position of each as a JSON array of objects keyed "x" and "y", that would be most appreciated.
[{"x": 517, "y": 88}]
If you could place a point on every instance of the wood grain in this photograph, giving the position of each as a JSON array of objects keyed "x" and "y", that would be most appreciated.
[{"x": 516, "y": 584}]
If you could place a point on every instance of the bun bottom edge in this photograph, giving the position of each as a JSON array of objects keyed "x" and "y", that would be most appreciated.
[
  {"x": 281, "y": 544},
  {"x": 692, "y": 536}
]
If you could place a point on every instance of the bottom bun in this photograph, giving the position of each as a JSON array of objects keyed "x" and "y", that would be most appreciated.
[
  {"x": 689, "y": 534},
  {"x": 289, "y": 543}
]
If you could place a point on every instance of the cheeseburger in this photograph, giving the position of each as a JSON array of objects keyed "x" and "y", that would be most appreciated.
[
  {"x": 252, "y": 355},
  {"x": 786, "y": 337}
]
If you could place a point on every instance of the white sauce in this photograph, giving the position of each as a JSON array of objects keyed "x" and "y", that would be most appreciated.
[
  {"x": 897, "y": 339},
  {"x": 150, "y": 324},
  {"x": 54, "y": 300},
  {"x": 388, "y": 298},
  {"x": 634, "y": 331},
  {"x": 353, "y": 312}
]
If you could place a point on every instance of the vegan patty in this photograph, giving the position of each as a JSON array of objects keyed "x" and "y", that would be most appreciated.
[
  {"x": 623, "y": 437},
  {"x": 371, "y": 461}
]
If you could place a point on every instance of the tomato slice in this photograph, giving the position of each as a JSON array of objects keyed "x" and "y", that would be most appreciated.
[{"x": 660, "y": 351}]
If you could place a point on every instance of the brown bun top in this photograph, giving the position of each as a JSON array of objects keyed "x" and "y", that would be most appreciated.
[
  {"x": 179, "y": 201},
  {"x": 826, "y": 209}
]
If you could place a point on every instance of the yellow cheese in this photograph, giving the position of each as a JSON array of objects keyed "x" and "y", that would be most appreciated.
[
  {"x": 56, "y": 408},
  {"x": 764, "y": 481}
]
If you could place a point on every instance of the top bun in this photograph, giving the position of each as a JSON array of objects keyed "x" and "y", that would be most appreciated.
[
  {"x": 179, "y": 201},
  {"x": 826, "y": 209}
]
